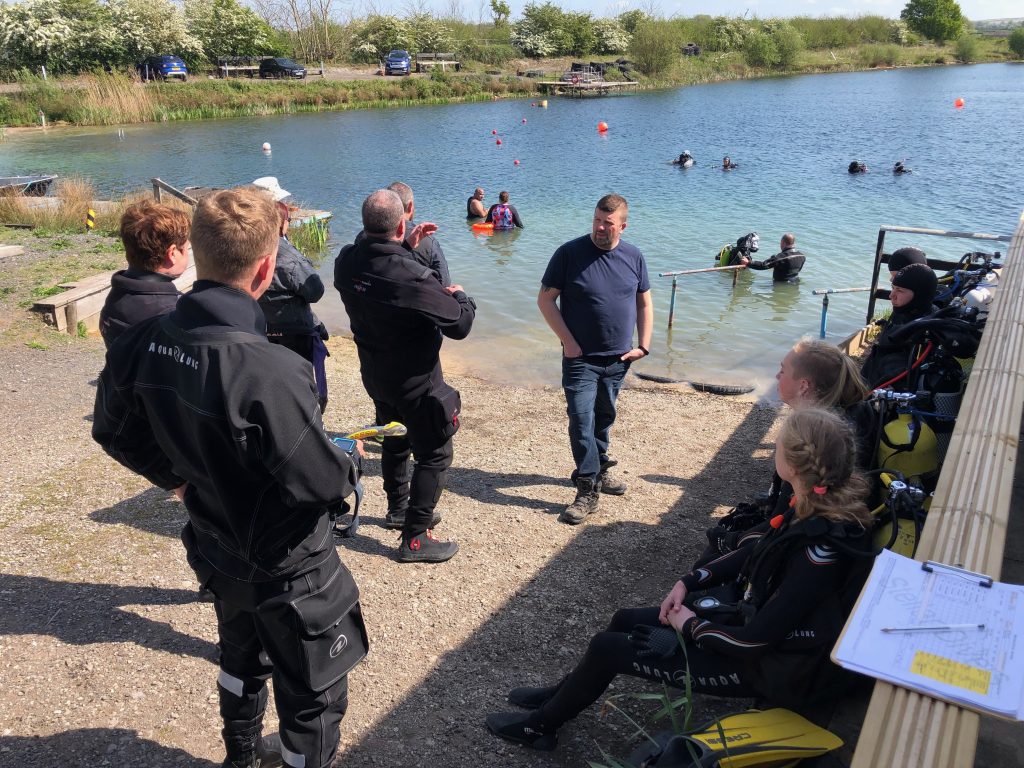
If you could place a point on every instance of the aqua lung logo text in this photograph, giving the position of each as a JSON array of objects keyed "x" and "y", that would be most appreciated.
[
  {"x": 175, "y": 354},
  {"x": 729, "y": 739}
]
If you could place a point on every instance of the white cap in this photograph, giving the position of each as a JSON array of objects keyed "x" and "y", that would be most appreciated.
[{"x": 270, "y": 184}]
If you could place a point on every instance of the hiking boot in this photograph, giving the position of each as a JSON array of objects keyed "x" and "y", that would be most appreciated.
[
  {"x": 609, "y": 484},
  {"x": 534, "y": 698},
  {"x": 396, "y": 520},
  {"x": 265, "y": 753},
  {"x": 522, "y": 728},
  {"x": 426, "y": 548},
  {"x": 587, "y": 491}
]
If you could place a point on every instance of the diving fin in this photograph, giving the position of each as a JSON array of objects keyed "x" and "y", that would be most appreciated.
[{"x": 773, "y": 738}]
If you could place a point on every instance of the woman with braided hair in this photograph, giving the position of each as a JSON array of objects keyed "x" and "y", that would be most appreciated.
[{"x": 758, "y": 622}]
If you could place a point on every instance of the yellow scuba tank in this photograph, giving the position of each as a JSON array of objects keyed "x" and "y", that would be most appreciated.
[
  {"x": 724, "y": 254},
  {"x": 908, "y": 445}
]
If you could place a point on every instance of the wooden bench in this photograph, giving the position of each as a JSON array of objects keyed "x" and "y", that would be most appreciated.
[
  {"x": 83, "y": 300},
  {"x": 966, "y": 526},
  {"x": 426, "y": 61}
]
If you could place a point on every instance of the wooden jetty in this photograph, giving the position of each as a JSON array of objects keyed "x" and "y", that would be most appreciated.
[
  {"x": 966, "y": 526},
  {"x": 585, "y": 87}
]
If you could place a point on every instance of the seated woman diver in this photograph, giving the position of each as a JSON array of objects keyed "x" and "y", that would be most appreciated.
[
  {"x": 813, "y": 373},
  {"x": 912, "y": 297},
  {"x": 778, "y": 606}
]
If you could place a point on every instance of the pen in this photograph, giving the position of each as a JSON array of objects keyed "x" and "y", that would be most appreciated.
[{"x": 938, "y": 628}]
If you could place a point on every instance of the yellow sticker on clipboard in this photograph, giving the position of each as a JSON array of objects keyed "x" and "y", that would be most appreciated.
[{"x": 951, "y": 672}]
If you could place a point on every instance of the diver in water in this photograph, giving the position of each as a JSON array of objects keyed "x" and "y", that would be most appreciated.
[
  {"x": 856, "y": 166},
  {"x": 900, "y": 168},
  {"x": 728, "y": 164},
  {"x": 685, "y": 159}
]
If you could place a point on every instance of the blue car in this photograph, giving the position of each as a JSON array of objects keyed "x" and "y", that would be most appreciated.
[
  {"x": 162, "y": 68},
  {"x": 398, "y": 63}
]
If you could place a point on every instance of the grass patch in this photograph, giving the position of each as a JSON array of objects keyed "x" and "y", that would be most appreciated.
[
  {"x": 63, "y": 213},
  {"x": 36, "y": 345}
]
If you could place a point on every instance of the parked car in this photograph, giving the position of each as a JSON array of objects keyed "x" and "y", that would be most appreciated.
[
  {"x": 162, "y": 67},
  {"x": 398, "y": 63},
  {"x": 281, "y": 67}
]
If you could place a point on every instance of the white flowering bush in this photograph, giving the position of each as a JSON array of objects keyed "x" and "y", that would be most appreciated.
[
  {"x": 225, "y": 28},
  {"x": 376, "y": 35},
  {"x": 611, "y": 36}
]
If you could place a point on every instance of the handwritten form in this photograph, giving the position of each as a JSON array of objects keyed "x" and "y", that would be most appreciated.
[{"x": 977, "y": 668}]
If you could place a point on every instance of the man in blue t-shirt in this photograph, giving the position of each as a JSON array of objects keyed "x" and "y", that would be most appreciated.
[{"x": 602, "y": 291}]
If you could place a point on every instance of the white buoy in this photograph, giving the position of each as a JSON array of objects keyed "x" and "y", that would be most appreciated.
[{"x": 266, "y": 146}]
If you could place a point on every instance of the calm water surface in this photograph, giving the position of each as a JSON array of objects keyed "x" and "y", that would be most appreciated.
[{"x": 792, "y": 137}]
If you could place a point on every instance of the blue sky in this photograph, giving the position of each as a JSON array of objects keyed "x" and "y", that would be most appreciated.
[{"x": 474, "y": 9}]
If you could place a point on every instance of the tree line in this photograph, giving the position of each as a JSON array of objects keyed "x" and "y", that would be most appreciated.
[{"x": 82, "y": 35}]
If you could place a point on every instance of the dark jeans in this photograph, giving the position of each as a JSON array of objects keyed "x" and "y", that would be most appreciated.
[
  {"x": 611, "y": 653},
  {"x": 591, "y": 386},
  {"x": 433, "y": 452},
  {"x": 305, "y": 632}
]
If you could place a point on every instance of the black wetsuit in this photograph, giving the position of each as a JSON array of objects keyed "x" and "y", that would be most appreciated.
[
  {"x": 135, "y": 295},
  {"x": 775, "y": 646},
  {"x": 200, "y": 396},
  {"x": 785, "y": 265},
  {"x": 469, "y": 208},
  {"x": 398, "y": 312},
  {"x": 887, "y": 359}
]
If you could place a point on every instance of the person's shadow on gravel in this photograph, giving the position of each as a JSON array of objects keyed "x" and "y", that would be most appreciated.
[
  {"x": 89, "y": 747},
  {"x": 154, "y": 510},
  {"x": 493, "y": 487},
  {"x": 81, "y": 614}
]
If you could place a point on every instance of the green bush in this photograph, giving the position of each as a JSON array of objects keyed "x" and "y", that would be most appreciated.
[
  {"x": 788, "y": 42},
  {"x": 938, "y": 20},
  {"x": 967, "y": 48},
  {"x": 760, "y": 50},
  {"x": 1016, "y": 42},
  {"x": 879, "y": 55},
  {"x": 654, "y": 47}
]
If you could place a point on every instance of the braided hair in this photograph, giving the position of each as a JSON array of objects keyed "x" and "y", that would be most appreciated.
[
  {"x": 819, "y": 446},
  {"x": 834, "y": 375}
]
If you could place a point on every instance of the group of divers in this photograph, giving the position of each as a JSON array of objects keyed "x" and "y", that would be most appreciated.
[
  {"x": 757, "y": 613},
  {"x": 686, "y": 160}
]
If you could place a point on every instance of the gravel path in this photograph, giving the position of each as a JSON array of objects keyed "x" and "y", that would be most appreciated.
[{"x": 107, "y": 659}]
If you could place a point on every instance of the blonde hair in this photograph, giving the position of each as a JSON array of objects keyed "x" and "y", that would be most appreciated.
[
  {"x": 833, "y": 375},
  {"x": 231, "y": 231},
  {"x": 819, "y": 446}
]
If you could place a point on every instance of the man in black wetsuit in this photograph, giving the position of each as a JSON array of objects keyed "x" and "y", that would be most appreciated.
[
  {"x": 199, "y": 402},
  {"x": 156, "y": 247},
  {"x": 785, "y": 265},
  {"x": 398, "y": 313},
  {"x": 428, "y": 250}
]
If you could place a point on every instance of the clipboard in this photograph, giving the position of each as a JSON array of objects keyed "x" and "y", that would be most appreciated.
[{"x": 952, "y": 634}]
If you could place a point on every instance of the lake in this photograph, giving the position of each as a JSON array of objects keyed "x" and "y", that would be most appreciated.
[{"x": 792, "y": 138}]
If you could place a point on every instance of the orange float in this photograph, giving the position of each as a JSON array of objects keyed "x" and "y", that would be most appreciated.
[
  {"x": 602, "y": 127},
  {"x": 959, "y": 103},
  {"x": 483, "y": 226}
]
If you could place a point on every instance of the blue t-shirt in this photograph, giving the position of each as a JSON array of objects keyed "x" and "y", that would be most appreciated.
[{"x": 598, "y": 293}]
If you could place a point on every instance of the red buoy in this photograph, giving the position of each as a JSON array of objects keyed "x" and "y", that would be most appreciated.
[
  {"x": 602, "y": 127},
  {"x": 515, "y": 162},
  {"x": 498, "y": 142},
  {"x": 959, "y": 103},
  {"x": 494, "y": 133}
]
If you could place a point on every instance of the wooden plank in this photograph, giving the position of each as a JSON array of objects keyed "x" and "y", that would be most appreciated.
[
  {"x": 966, "y": 526},
  {"x": 11, "y": 250}
]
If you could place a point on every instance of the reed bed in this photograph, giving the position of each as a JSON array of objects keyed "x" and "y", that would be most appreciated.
[{"x": 73, "y": 197}]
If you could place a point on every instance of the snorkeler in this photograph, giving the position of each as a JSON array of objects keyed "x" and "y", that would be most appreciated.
[
  {"x": 685, "y": 159},
  {"x": 900, "y": 168},
  {"x": 856, "y": 166},
  {"x": 728, "y": 164}
]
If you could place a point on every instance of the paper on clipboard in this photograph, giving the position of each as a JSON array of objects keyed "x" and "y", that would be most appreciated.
[{"x": 981, "y": 669}]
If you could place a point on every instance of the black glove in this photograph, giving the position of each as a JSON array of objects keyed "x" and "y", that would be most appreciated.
[
  {"x": 722, "y": 540},
  {"x": 745, "y": 516},
  {"x": 654, "y": 642}
]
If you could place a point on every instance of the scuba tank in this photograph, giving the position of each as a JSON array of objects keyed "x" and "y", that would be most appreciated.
[
  {"x": 900, "y": 518},
  {"x": 908, "y": 445}
]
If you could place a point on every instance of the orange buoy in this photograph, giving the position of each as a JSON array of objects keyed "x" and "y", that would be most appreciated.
[
  {"x": 959, "y": 103},
  {"x": 483, "y": 226},
  {"x": 498, "y": 142},
  {"x": 602, "y": 127}
]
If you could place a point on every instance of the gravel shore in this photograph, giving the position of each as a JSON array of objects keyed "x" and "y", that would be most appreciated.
[{"x": 108, "y": 659}]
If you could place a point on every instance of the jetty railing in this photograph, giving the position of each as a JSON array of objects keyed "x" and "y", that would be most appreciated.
[
  {"x": 735, "y": 269},
  {"x": 966, "y": 526},
  {"x": 825, "y": 293},
  {"x": 159, "y": 187},
  {"x": 937, "y": 264}
]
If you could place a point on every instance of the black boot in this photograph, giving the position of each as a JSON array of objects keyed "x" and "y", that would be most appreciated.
[
  {"x": 610, "y": 484},
  {"x": 523, "y": 728},
  {"x": 534, "y": 698},
  {"x": 426, "y": 548},
  {"x": 587, "y": 491},
  {"x": 246, "y": 749}
]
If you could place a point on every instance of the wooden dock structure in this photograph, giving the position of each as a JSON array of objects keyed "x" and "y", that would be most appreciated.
[
  {"x": 966, "y": 526},
  {"x": 585, "y": 88}
]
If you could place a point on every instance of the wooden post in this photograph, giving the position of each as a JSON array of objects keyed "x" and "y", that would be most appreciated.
[
  {"x": 672, "y": 304},
  {"x": 71, "y": 313}
]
